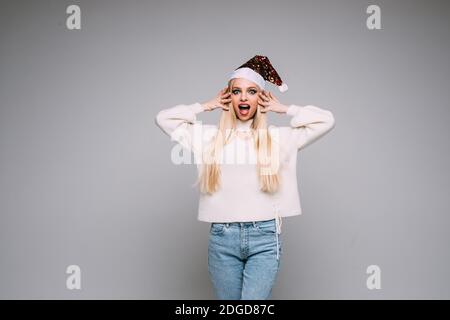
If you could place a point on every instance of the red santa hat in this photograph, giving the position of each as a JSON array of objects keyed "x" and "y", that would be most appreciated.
[{"x": 259, "y": 70}]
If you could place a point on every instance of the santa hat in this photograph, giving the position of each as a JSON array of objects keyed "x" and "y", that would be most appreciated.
[{"x": 259, "y": 70}]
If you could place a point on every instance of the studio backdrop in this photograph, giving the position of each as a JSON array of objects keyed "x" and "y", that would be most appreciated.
[{"x": 92, "y": 207}]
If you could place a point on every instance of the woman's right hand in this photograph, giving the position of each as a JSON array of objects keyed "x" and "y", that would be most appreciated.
[{"x": 220, "y": 101}]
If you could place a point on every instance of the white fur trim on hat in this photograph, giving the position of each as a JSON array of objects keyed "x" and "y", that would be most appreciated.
[
  {"x": 249, "y": 74},
  {"x": 283, "y": 87}
]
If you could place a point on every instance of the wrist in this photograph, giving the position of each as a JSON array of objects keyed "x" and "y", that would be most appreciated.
[
  {"x": 197, "y": 107},
  {"x": 292, "y": 110},
  {"x": 206, "y": 106}
]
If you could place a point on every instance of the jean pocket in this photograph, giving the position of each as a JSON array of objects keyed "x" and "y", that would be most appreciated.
[
  {"x": 266, "y": 228},
  {"x": 217, "y": 228}
]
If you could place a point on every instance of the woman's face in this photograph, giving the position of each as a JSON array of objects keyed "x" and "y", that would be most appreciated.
[{"x": 244, "y": 98}]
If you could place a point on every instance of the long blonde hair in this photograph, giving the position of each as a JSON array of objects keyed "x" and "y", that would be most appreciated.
[{"x": 267, "y": 166}]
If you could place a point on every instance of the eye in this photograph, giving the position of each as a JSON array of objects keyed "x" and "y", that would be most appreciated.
[{"x": 236, "y": 91}]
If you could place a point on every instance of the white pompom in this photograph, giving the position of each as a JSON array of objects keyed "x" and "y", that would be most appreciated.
[{"x": 283, "y": 87}]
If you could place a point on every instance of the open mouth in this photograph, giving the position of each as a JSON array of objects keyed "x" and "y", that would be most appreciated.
[{"x": 244, "y": 109}]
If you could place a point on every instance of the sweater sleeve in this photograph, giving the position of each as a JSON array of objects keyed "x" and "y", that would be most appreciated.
[
  {"x": 179, "y": 122},
  {"x": 308, "y": 124}
]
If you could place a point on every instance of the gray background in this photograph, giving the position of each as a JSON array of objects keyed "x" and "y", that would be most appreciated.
[{"x": 86, "y": 176}]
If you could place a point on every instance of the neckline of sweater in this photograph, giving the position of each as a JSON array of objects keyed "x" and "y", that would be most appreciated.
[{"x": 243, "y": 125}]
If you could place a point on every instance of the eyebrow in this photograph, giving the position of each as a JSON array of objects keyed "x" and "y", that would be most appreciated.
[{"x": 248, "y": 87}]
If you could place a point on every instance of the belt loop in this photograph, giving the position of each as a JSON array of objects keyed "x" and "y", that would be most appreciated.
[
  {"x": 227, "y": 224},
  {"x": 254, "y": 224}
]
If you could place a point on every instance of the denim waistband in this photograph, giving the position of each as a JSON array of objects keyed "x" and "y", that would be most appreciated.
[{"x": 246, "y": 223}]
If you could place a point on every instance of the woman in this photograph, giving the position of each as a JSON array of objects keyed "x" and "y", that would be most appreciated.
[{"x": 244, "y": 199}]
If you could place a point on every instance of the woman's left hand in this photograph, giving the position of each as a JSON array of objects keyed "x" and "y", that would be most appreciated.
[{"x": 268, "y": 102}]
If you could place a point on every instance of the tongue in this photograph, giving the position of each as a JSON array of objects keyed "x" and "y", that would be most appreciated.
[{"x": 244, "y": 111}]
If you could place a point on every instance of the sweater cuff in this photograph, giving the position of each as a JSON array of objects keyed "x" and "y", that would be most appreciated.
[
  {"x": 197, "y": 107},
  {"x": 292, "y": 110}
]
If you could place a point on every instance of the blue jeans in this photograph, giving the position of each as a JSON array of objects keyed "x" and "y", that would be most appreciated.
[{"x": 242, "y": 259}]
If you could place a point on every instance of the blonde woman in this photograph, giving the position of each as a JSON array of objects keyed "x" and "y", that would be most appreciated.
[{"x": 246, "y": 174}]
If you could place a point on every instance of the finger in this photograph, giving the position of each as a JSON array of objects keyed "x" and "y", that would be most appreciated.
[
  {"x": 263, "y": 97},
  {"x": 270, "y": 94},
  {"x": 225, "y": 101},
  {"x": 264, "y": 104}
]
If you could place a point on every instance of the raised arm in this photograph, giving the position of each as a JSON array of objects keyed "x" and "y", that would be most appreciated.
[
  {"x": 178, "y": 122},
  {"x": 308, "y": 124}
]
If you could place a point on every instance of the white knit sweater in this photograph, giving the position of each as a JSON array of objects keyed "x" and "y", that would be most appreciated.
[{"x": 239, "y": 198}]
